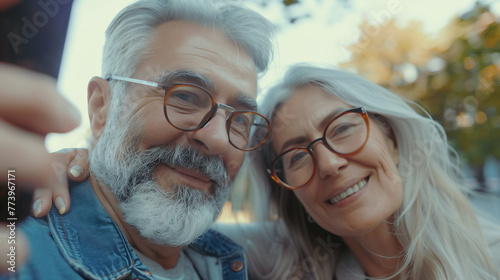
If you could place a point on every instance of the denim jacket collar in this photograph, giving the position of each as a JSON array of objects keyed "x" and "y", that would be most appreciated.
[{"x": 95, "y": 246}]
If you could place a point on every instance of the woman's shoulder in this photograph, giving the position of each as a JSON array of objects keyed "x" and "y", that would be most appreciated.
[
  {"x": 487, "y": 208},
  {"x": 348, "y": 267},
  {"x": 255, "y": 233},
  {"x": 491, "y": 232}
]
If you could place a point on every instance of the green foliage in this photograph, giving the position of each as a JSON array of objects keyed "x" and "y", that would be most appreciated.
[
  {"x": 289, "y": 2},
  {"x": 458, "y": 76},
  {"x": 467, "y": 99}
]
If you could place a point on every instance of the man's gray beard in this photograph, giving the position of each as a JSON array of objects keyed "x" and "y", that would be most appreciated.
[{"x": 175, "y": 217}]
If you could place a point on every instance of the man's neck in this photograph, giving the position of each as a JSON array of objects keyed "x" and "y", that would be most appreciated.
[{"x": 164, "y": 255}]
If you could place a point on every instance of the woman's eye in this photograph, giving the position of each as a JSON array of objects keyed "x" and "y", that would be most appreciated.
[
  {"x": 340, "y": 129},
  {"x": 296, "y": 159},
  {"x": 297, "y": 156}
]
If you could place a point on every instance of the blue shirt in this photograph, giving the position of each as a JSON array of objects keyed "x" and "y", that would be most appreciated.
[{"x": 85, "y": 243}]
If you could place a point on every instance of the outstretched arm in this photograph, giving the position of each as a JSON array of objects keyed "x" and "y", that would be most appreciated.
[{"x": 30, "y": 108}]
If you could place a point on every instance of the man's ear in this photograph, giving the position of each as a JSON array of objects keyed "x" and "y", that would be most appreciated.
[{"x": 99, "y": 100}]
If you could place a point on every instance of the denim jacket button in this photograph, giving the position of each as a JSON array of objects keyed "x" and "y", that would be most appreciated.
[
  {"x": 236, "y": 266},
  {"x": 148, "y": 272}
]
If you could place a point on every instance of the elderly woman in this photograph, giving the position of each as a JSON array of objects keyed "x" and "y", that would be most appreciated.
[
  {"x": 356, "y": 184},
  {"x": 365, "y": 185}
]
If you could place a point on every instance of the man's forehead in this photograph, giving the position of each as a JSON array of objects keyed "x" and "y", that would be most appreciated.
[
  {"x": 207, "y": 42},
  {"x": 203, "y": 55}
]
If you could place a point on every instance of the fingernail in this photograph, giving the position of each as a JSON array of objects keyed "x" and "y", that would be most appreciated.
[
  {"x": 60, "y": 205},
  {"x": 37, "y": 207},
  {"x": 76, "y": 171}
]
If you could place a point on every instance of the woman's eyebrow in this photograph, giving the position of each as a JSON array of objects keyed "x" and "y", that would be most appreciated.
[
  {"x": 293, "y": 142},
  {"x": 330, "y": 117},
  {"x": 301, "y": 139}
]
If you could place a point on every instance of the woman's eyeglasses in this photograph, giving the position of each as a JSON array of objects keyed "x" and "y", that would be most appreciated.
[{"x": 345, "y": 135}]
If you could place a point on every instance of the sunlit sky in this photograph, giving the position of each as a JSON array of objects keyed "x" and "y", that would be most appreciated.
[{"x": 321, "y": 38}]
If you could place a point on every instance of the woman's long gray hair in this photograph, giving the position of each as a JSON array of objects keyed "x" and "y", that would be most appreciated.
[{"x": 435, "y": 225}]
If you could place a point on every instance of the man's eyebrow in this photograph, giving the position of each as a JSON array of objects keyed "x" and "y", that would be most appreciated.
[
  {"x": 246, "y": 102},
  {"x": 186, "y": 76}
]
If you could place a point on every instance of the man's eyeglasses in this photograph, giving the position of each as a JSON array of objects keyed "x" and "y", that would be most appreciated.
[
  {"x": 189, "y": 107},
  {"x": 345, "y": 135}
]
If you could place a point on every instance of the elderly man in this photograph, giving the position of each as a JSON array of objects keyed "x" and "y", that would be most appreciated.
[{"x": 170, "y": 121}]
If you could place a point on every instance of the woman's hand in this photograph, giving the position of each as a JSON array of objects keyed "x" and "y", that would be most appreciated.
[{"x": 74, "y": 164}]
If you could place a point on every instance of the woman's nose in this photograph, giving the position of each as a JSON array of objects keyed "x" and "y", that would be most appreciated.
[{"x": 328, "y": 163}]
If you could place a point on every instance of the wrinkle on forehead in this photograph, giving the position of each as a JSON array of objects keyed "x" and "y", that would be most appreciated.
[
  {"x": 237, "y": 62},
  {"x": 289, "y": 123},
  {"x": 303, "y": 115},
  {"x": 206, "y": 42},
  {"x": 207, "y": 51}
]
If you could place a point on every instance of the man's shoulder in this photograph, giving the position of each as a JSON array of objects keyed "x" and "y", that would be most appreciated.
[
  {"x": 66, "y": 246},
  {"x": 31, "y": 223},
  {"x": 216, "y": 256},
  {"x": 45, "y": 260},
  {"x": 215, "y": 243}
]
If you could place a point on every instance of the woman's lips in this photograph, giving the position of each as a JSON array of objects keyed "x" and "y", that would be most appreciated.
[{"x": 348, "y": 192}]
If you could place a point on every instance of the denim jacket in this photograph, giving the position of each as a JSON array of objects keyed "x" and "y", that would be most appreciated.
[{"x": 85, "y": 243}]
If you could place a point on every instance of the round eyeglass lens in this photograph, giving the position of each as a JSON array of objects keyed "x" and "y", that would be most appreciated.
[
  {"x": 347, "y": 133},
  {"x": 187, "y": 107},
  {"x": 248, "y": 130},
  {"x": 295, "y": 167}
]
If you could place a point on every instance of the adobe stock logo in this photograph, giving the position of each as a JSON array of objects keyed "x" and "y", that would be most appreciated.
[{"x": 39, "y": 19}]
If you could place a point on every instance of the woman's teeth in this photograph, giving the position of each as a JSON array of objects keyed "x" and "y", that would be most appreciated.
[{"x": 352, "y": 190}]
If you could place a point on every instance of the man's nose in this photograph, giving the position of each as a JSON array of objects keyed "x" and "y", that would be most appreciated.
[{"x": 212, "y": 139}]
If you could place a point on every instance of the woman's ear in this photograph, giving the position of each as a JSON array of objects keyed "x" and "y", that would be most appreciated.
[
  {"x": 387, "y": 129},
  {"x": 99, "y": 100},
  {"x": 395, "y": 151}
]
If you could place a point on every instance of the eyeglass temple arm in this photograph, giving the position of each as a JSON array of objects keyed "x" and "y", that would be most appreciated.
[{"x": 132, "y": 80}]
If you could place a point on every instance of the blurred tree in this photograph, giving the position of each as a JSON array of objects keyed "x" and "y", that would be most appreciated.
[
  {"x": 292, "y": 11},
  {"x": 455, "y": 75}
]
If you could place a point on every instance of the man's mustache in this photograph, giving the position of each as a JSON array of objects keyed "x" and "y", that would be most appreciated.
[{"x": 177, "y": 156}]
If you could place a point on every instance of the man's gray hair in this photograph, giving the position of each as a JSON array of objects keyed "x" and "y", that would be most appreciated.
[{"x": 130, "y": 32}]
